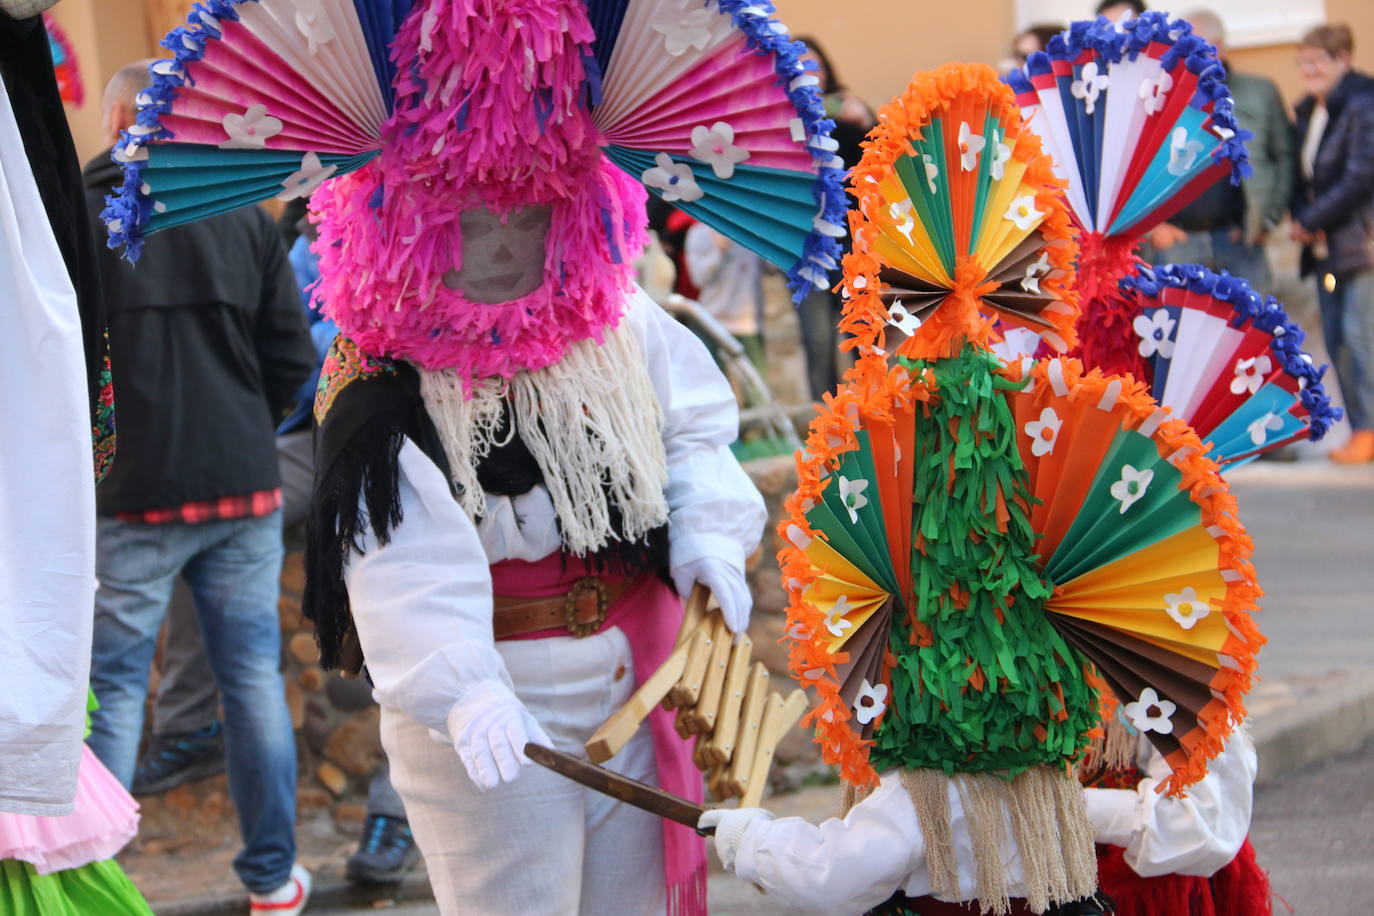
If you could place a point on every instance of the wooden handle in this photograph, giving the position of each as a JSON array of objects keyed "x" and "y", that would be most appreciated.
[
  {"x": 724, "y": 735},
  {"x": 693, "y": 613},
  {"x": 742, "y": 759},
  {"x": 624, "y": 722},
  {"x": 708, "y": 701},
  {"x": 778, "y": 719},
  {"x": 685, "y": 691}
]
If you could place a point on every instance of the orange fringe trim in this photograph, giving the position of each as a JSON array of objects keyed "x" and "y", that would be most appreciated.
[{"x": 964, "y": 315}]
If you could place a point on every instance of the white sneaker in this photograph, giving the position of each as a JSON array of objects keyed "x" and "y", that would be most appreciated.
[{"x": 287, "y": 900}]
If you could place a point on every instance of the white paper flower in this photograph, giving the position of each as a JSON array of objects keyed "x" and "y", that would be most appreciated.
[
  {"x": 1186, "y": 608},
  {"x": 1016, "y": 344},
  {"x": 674, "y": 179},
  {"x": 902, "y": 320},
  {"x": 1250, "y": 374},
  {"x": 1044, "y": 432},
  {"x": 683, "y": 29},
  {"x": 314, "y": 24},
  {"x": 870, "y": 703},
  {"x": 901, "y": 213},
  {"x": 250, "y": 130},
  {"x": 1156, "y": 332},
  {"x": 834, "y": 621},
  {"x": 852, "y": 495},
  {"x": 304, "y": 181},
  {"x": 1183, "y": 152},
  {"x": 932, "y": 171},
  {"x": 1150, "y": 713},
  {"x": 1154, "y": 91},
  {"x": 1022, "y": 212},
  {"x": 1131, "y": 486},
  {"x": 1089, "y": 86},
  {"x": 1259, "y": 427},
  {"x": 716, "y": 145},
  {"x": 970, "y": 145},
  {"x": 1035, "y": 273},
  {"x": 1001, "y": 155}
]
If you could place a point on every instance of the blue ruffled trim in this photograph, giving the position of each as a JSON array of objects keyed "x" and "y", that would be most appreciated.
[
  {"x": 128, "y": 211},
  {"x": 1263, "y": 312},
  {"x": 821, "y": 251}
]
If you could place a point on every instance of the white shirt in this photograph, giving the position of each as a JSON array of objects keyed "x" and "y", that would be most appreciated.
[
  {"x": 422, "y": 603},
  {"x": 47, "y": 502},
  {"x": 851, "y": 865}
]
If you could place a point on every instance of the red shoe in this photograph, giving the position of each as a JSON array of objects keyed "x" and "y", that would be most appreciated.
[{"x": 287, "y": 900}]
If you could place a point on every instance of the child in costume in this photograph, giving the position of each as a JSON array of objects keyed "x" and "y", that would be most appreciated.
[
  {"x": 522, "y": 461},
  {"x": 984, "y": 552}
]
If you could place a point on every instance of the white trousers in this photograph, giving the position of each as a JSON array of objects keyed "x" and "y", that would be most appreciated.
[{"x": 542, "y": 844}]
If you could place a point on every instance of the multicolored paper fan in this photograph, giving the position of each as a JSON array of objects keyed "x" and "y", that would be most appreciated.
[
  {"x": 960, "y": 206},
  {"x": 1125, "y": 542},
  {"x": 1139, "y": 122},
  {"x": 64, "y": 63},
  {"x": 708, "y": 104},
  {"x": 1227, "y": 360}
]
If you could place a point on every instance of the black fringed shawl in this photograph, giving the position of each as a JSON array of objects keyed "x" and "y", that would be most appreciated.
[{"x": 365, "y": 410}]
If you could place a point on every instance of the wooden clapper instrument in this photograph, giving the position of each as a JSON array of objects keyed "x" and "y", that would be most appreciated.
[{"x": 723, "y": 704}]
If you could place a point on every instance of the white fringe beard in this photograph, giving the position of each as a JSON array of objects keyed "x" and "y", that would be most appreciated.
[{"x": 593, "y": 423}]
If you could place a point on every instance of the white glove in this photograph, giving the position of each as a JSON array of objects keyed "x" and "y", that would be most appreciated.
[
  {"x": 725, "y": 582},
  {"x": 730, "y": 824},
  {"x": 490, "y": 728}
]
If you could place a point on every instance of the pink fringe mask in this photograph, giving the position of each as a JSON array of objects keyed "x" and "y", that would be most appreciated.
[{"x": 490, "y": 114}]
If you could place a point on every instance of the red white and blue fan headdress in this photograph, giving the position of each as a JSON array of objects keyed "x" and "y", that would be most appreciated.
[
  {"x": 706, "y": 104},
  {"x": 1140, "y": 122},
  {"x": 1227, "y": 360}
]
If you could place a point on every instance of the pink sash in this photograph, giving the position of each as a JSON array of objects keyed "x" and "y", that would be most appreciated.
[{"x": 649, "y": 613}]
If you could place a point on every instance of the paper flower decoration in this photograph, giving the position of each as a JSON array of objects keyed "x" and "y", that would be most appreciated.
[
  {"x": 313, "y": 22},
  {"x": 1251, "y": 373},
  {"x": 1259, "y": 427},
  {"x": 1089, "y": 86},
  {"x": 1034, "y": 272},
  {"x": 684, "y": 29},
  {"x": 1022, "y": 212},
  {"x": 1186, "y": 608},
  {"x": 716, "y": 146},
  {"x": 903, "y": 320},
  {"x": 1132, "y": 486},
  {"x": 1044, "y": 432},
  {"x": 1016, "y": 344},
  {"x": 304, "y": 181},
  {"x": 870, "y": 703},
  {"x": 674, "y": 179},
  {"x": 1182, "y": 152},
  {"x": 1001, "y": 154},
  {"x": 932, "y": 171},
  {"x": 1156, "y": 332},
  {"x": 1150, "y": 713},
  {"x": 852, "y": 495},
  {"x": 834, "y": 620},
  {"x": 970, "y": 145},
  {"x": 902, "y": 216},
  {"x": 250, "y": 130},
  {"x": 1154, "y": 91}
]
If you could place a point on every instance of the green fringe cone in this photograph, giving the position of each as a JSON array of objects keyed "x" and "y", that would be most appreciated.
[
  {"x": 938, "y": 719},
  {"x": 98, "y": 889}
]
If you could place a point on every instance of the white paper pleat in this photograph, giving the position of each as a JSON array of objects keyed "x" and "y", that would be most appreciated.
[
  {"x": 1051, "y": 122},
  {"x": 1126, "y": 120},
  {"x": 1203, "y": 342},
  {"x": 340, "y": 68}
]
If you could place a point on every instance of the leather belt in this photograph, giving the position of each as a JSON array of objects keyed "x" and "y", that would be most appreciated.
[{"x": 581, "y": 610}]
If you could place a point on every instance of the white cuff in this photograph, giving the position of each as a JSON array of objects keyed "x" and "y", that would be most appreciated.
[
  {"x": 1114, "y": 813},
  {"x": 689, "y": 547}
]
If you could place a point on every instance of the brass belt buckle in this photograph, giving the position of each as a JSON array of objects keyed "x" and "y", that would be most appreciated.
[{"x": 570, "y": 620}]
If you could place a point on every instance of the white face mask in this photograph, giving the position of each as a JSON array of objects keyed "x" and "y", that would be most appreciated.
[{"x": 503, "y": 257}]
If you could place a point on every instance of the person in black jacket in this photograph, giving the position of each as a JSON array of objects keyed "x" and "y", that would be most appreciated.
[
  {"x": 1333, "y": 217},
  {"x": 208, "y": 348}
]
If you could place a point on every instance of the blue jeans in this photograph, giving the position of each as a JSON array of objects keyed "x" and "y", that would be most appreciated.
[
  {"x": 233, "y": 570},
  {"x": 1348, "y": 326}
]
